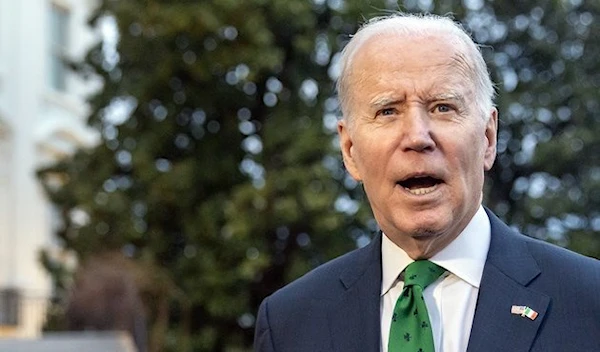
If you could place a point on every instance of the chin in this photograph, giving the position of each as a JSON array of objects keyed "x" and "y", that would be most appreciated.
[
  {"x": 426, "y": 234},
  {"x": 428, "y": 223}
]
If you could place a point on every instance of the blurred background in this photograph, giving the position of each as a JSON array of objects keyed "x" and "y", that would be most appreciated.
[{"x": 166, "y": 164}]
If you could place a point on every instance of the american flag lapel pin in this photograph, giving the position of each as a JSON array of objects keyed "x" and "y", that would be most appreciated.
[{"x": 524, "y": 311}]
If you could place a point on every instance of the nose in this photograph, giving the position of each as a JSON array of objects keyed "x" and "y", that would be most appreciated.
[{"x": 416, "y": 131}]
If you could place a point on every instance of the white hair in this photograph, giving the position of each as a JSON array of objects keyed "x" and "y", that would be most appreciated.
[{"x": 412, "y": 25}]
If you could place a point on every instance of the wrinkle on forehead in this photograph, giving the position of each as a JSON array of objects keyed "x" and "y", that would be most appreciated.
[
  {"x": 459, "y": 61},
  {"x": 448, "y": 86},
  {"x": 454, "y": 76},
  {"x": 447, "y": 94}
]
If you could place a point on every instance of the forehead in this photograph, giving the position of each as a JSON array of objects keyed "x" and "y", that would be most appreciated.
[{"x": 431, "y": 61}]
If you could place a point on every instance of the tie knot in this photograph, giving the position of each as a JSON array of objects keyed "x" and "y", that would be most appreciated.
[{"x": 422, "y": 273}]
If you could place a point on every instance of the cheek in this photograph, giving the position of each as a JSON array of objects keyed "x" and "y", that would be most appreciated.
[
  {"x": 373, "y": 155},
  {"x": 361, "y": 160},
  {"x": 366, "y": 165},
  {"x": 469, "y": 157},
  {"x": 475, "y": 167},
  {"x": 478, "y": 142}
]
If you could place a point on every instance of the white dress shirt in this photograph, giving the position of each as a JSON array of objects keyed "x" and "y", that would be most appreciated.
[{"x": 452, "y": 298}]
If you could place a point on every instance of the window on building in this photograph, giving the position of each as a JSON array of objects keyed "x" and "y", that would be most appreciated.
[
  {"x": 59, "y": 25},
  {"x": 9, "y": 307}
]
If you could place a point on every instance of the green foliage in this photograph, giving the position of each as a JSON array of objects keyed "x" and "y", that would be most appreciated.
[
  {"x": 546, "y": 177},
  {"x": 217, "y": 163}
]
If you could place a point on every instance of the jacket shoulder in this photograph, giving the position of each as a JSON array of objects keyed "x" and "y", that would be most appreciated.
[
  {"x": 324, "y": 280},
  {"x": 565, "y": 264}
]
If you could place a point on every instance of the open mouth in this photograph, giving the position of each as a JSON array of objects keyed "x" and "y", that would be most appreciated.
[{"x": 420, "y": 185}]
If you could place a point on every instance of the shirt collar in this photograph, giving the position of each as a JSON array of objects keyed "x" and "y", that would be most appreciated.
[{"x": 463, "y": 257}]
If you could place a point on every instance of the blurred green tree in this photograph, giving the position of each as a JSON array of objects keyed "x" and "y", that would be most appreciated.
[
  {"x": 218, "y": 171},
  {"x": 215, "y": 169},
  {"x": 547, "y": 176}
]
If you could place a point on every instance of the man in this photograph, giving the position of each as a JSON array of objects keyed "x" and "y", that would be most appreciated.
[{"x": 419, "y": 131}]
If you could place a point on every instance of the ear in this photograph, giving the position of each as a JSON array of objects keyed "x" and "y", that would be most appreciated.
[
  {"x": 347, "y": 147},
  {"x": 491, "y": 135}
]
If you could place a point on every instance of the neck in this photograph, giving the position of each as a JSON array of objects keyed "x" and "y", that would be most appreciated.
[{"x": 423, "y": 247}]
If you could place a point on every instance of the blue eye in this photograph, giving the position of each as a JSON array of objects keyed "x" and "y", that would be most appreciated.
[
  {"x": 443, "y": 108},
  {"x": 386, "y": 111}
]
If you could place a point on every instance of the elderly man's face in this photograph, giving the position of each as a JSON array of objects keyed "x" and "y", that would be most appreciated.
[{"x": 415, "y": 139}]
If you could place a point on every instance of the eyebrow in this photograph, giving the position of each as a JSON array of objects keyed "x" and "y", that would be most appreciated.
[
  {"x": 385, "y": 100},
  {"x": 448, "y": 96}
]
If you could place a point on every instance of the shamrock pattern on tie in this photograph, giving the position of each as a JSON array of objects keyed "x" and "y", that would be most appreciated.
[{"x": 410, "y": 329}]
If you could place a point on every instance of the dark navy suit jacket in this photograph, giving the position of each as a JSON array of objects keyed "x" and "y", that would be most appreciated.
[{"x": 336, "y": 306}]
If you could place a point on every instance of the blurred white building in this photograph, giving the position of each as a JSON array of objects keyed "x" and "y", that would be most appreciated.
[{"x": 42, "y": 118}]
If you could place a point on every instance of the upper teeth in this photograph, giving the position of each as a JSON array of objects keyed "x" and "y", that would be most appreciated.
[{"x": 421, "y": 191}]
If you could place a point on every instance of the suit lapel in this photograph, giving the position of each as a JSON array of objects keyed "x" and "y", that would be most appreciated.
[
  {"x": 354, "y": 320},
  {"x": 508, "y": 270}
]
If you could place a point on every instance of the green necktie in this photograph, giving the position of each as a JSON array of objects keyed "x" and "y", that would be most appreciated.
[{"x": 410, "y": 330}]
